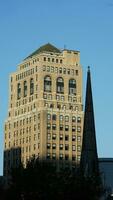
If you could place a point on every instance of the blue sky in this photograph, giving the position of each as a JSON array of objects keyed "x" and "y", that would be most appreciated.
[{"x": 81, "y": 25}]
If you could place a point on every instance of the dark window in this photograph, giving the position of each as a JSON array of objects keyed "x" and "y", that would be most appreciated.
[
  {"x": 66, "y": 157},
  {"x": 66, "y": 147},
  {"x": 61, "y": 127},
  {"x": 53, "y": 117},
  {"x": 61, "y": 146},
  {"x": 54, "y": 146},
  {"x": 66, "y": 137},
  {"x": 18, "y": 91},
  {"x": 78, "y": 119},
  {"x": 31, "y": 86},
  {"x": 25, "y": 88},
  {"x": 66, "y": 128},
  {"x": 72, "y": 86},
  {"x": 60, "y": 85},
  {"x": 73, "y": 138},
  {"x": 47, "y": 84},
  {"x": 54, "y": 126},
  {"x": 73, "y": 119}
]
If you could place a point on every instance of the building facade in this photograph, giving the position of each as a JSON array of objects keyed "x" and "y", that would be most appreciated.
[{"x": 45, "y": 115}]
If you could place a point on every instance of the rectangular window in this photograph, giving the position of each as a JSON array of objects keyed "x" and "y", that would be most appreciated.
[
  {"x": 73, "y": 148},
  {"x": 49, "y": 126},
  {"x": 66, "y": 157},
  {"x": 78, "y": 148},
  {"x": 48, "y": 145},
  {"x": 66, "y": 137},
  {"x": 78, "y": 128},
  {"x": 54, "y": 137},
  {"x": 79, "y": 138},
  {"x": 48, "y": 116},
  {"x": 54, "y": 117},
  {"x": 73, "y": 138},
  {"x": 61, "y": 147},
  {"x": 66, "y": 147},
  {"x": 61, "y": 117},
  {"x": 73, "y": 128},
  {"x": 73, "y": 119},
  {"x": 53, "y": 126},
  {"x": 61, "y": 137},
  {"x": 54, "y": 146},
  {"x": 66, "y": 128},
  {"x": 78, "y": 119},
  {"x": 67, "y": 118},
  {"x": 61, "y": 127},
  {"x": 53, "y": 156}
]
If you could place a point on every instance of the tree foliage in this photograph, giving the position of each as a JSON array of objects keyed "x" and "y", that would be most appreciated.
[{"x": 41, "y": 181}]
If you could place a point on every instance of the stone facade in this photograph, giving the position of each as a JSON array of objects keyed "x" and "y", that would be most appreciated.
[{"x": 45, "y": 115}]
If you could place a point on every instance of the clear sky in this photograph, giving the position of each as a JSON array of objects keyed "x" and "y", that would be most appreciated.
[{"x": 85, "y": 25}]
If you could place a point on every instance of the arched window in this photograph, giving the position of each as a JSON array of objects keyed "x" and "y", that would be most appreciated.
[
  {"x": 31, "y": 86},
  {"x": 60, "y": 85},
  {"x": 18, "y": 91},
  {"x": 72, "y": 86},
  {"x": 47, "y": 84},
  {"x": 25, "y": 88}
]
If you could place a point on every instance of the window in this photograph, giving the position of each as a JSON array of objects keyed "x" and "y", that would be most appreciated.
[
  {"x": 66, "y": 137},
  {"x": 61, "y": 146},
  {"x": 48, "y": 136},
  {"x": 60, "y": 70},
  {"x": 72, "y": 86},
  {"x": 61, "y": 117},
  {"x": 66, "y": 147},
  {"x": 47, "y": 84},
  {"x": 73, "y": 128},
  {"x": 73, "y": 148},
  {"x": 48, "y": 156},
  {"x": 73, "y": 119},
  {"x": 48, "y": 146},
  {"x": 18, "y": 91},
  {"x": 78, "y": 119},
  {"x": 54, "y": 146},
  {"x": 73, "y": 138},
  {"x": 54, "y": 156},
  {"x": 61, "y": 156},
  {"x": 25, "y": 88},
  {"x": 53, "y": 126},
  {"x": 60, "y": 85},
  {"x": 48, "y": 126},
  {"x": 61, "y": 127},
  {"x": 44, "y": 58},
  {"x": 48, "y": 116},
  {"x": 66, "y": 118},
  {"x": 73, "y": 158},
  {"x": 48, "y": 59},
  {"x": 79, "y": 138},
  {"x": 79, "y": 129},
  {"x": 66, "y": 157},
  {"x": 54, "y": 137},
  {"x": 54, "y": 117},
  {"x": 66, "y": 128},
  {"x": 61, "y": 137},
  {"x": 31, "y": 86},
  {"x": 79, "y": 148}
]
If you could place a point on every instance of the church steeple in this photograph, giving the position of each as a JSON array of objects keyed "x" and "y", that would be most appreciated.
[{"x": 89, "y": 157}]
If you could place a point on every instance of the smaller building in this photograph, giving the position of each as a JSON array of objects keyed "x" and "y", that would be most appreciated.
[{"x": 106, "y": 170}]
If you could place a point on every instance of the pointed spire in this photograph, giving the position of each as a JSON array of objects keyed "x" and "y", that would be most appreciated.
[{"x": 89, "y": 157}]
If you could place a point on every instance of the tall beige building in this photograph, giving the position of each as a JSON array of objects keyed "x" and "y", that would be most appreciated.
[{"x": 45, "y": 115}]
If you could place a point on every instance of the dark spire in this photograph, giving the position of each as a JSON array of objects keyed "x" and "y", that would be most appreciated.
[{"x": 89, "y": 157}]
